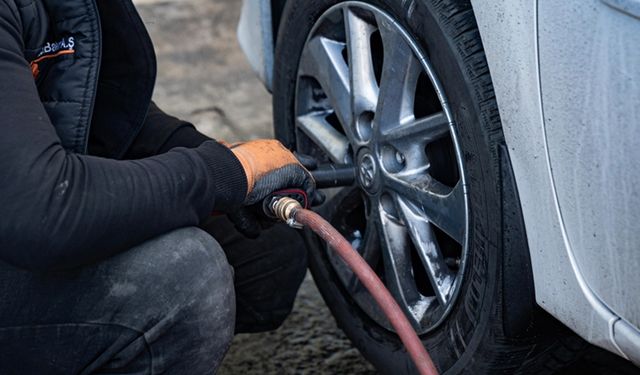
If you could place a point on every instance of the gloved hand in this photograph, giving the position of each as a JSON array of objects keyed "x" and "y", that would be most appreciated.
[{"x": 270, "y": 167}]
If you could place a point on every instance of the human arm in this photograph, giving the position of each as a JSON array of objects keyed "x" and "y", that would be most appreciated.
[
  {"x": 161, "y": 133},
  {"x": 61, "y": 210}
]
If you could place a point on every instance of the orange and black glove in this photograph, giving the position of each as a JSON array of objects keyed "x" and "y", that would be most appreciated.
[{"x": 269, "y": 167}]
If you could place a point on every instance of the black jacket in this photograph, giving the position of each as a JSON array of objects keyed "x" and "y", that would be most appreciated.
[{"x": 88, "y": 165}]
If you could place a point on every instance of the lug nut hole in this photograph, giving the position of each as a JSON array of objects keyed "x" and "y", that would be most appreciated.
[
  {"x": 364, "y": 126},
  {"x": 393, "y": 160}
]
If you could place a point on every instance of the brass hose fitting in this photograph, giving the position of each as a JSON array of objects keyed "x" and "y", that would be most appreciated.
[{"x": 284, "y": 208}]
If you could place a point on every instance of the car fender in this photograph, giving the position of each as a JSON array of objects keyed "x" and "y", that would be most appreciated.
[
  {"x": 509, "y": 31},
  {"x": 255, "y": 35}
]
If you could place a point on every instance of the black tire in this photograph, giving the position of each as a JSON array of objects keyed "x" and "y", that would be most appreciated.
[{"x": 495, "y": 326}]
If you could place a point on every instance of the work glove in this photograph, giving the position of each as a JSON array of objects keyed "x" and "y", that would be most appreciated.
[{"x": 269, "y": 167}]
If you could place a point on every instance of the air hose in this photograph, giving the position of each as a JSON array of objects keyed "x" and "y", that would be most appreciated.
[{"x": 291, "y": 211}]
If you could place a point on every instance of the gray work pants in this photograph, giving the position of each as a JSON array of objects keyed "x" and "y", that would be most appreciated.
[{"x": 166, "y": 306}]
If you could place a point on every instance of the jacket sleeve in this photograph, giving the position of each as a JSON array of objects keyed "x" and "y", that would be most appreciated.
[
  {"x": 161, "y": 133},
  {"x": 60, "y": 210}
]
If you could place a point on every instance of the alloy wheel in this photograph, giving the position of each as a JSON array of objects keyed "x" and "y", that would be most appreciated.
[{"x": 368, "y": 96}]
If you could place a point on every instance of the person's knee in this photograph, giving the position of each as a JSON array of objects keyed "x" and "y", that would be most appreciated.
[
  {"x": 201, "y": 274},
  {"x": 186, "y": 307},
  {"x": 200, "y": 267},
  {"x": 211, "y": 284},
  {"x": 209, "y": 315}
]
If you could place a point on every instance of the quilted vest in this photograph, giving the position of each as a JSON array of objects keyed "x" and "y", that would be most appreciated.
[{"x": 94, "y": 67}]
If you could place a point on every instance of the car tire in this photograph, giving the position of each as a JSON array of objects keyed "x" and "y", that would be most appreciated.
[{"x": 495, "y": 325}]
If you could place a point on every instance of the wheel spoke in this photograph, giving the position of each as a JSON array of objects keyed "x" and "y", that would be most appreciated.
[
  {"x": 322, "y": 60},
  {"x": 442, "y": 206},
  {"x": 424, "y": 240},
  {"x": 364, "y": 89},
  {"x": 423, "y": 130},
  {"x": 400, "y": 72},
  {"x": 332, "y": 142},
  {"x": 398, "y": 267}
]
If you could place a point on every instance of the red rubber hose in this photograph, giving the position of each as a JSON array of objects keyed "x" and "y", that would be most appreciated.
[{"x": 365, "y": 274}]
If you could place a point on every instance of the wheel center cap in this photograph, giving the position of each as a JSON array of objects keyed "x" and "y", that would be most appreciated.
[{"x": 367, "y": 171}]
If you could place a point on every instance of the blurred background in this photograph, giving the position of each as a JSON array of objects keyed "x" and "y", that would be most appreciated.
[{"x": 203, "y": 78}]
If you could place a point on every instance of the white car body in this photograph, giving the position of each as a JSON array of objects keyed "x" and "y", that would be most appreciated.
[{"x": 567, "y": 81}]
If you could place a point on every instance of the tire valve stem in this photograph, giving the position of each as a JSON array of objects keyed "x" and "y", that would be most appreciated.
[{"x": 452, "y": 262}]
